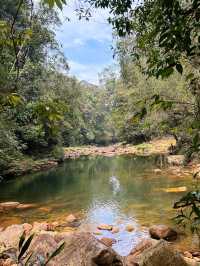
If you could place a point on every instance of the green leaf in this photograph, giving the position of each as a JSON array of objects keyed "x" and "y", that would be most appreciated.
[
  {"x": 28, "y": 259},
  {"x": 165, "y": 73},
  {"x": 50, "y": 3},
  {"x": 189, "y": 76},
  {"x": 55, "y": 253},
  {"x": 25, "y": 246},
  {"x": 59, "y": 4},
  {"x": 21, "y": 241}
]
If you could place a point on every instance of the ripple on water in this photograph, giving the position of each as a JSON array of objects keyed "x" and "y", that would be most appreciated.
[{"x": 109, "y": 212}]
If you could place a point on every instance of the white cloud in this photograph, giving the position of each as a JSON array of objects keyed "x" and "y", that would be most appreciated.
[
  {"x": 87, "y": 72},
  {"x": 96, "y": 28},
  {"x": 75, "y": 35},
  {"x": 80, "y": 31},
  {"x": 76, "y": 42}
]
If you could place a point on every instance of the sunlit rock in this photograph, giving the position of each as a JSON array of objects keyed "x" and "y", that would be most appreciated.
[
  {"x": 155, "y": 254},
  {"x": 27, "y": 228},
  {"x": 44, "y": 226},
  {"x": 157, "y": 171},
  {"x": 187, "y": 254},
  {"x": 71, "y": 218},
  {"x": 175, "y": 159},
  {"x": 25, "y": 206},
  {"x": 115, "y": 230},
  {"x": 72, "y": 221},
  {"x": 162, "y": 232},
  {"x": 4, "y": 206},
  {"x": 11, "y": 235},
  {"x": 130, "y": 228},
  {"x": 80, "y": 249},
  {"x": 108, "y": 241},
  {"x": 175, "y": 189},
  {"x": 105, "y": 227},
  {"x": 97, "y": 233}
]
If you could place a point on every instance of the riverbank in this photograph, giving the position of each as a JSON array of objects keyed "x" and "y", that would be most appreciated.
[
  {"x": 86, "y": 248},
  {"x": 175, "y": 163},
  {"x": 27, "y": 166},
  {"x": 154, "y": 147}
]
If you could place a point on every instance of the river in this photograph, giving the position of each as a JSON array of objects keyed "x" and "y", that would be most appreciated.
[{"x": 118, "y": 190}]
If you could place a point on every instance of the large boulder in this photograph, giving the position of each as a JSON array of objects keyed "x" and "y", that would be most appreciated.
[
  {"x": 9, "y": 237},
  {"x": 155, "y": 254},
  {"x": 80, "y": 249},
  {"x": 162, "y": 232}
]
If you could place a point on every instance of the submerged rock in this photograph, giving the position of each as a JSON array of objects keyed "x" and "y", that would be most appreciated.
[
  {"x": 97, "y": 233},
  {"x": 105, "y": 227},
  {"x": 4, "y": 206},
  {"x": 157, "y": 171},
  {"x": 108, "y": 241},
  {"x": 162, "y": 232},
  {"x": 115, "y": 230},
  {"x": 72, "y": 221},
  {"x": 71, "y": 218},
  {"x": 175, "y": 189},
  {"x": 26, "y": 206},
  {"x": 8, "y": 206},
  {"x": 130, "y": 228}
]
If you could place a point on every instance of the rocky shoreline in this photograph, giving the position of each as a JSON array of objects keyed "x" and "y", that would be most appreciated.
[
  {"x": 154, "y": 147},
  {"x": 83, "y": 248}
]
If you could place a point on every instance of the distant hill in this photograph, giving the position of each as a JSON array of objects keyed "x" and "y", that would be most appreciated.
[{"x": 88, "y": 84}]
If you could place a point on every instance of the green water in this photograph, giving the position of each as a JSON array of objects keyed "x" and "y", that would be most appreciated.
[{"x": 118, "y": 190}]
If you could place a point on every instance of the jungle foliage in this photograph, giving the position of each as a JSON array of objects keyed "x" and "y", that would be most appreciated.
[{"x": 42, "y": 108}]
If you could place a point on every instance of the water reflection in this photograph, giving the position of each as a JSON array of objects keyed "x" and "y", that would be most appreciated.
[
  {"x": 118, "y": 191},
  {"x": 115, "y": 184}
]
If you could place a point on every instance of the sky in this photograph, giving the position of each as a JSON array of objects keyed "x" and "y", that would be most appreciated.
[{"x": 86, "y": 44}]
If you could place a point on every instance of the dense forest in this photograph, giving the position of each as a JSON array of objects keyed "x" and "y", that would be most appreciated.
[{"x": 157, "y": 92}]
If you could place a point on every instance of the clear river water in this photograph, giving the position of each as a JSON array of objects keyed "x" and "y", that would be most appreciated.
[{"x": 120, "y": 190}]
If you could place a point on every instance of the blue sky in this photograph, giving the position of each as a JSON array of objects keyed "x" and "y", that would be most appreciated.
[{"x": 87, "y": 45}]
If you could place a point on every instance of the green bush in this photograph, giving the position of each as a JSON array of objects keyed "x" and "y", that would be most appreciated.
[
  {"x": 10, "y": 148},
  {"x": 57, "y": 153}
]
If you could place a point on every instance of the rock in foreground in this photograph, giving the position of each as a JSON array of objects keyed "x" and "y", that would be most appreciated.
[
  {"x": 156, "y": 253},
  {"x": 84, "y": 249},
  {"x": 80, "y": 249}
]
